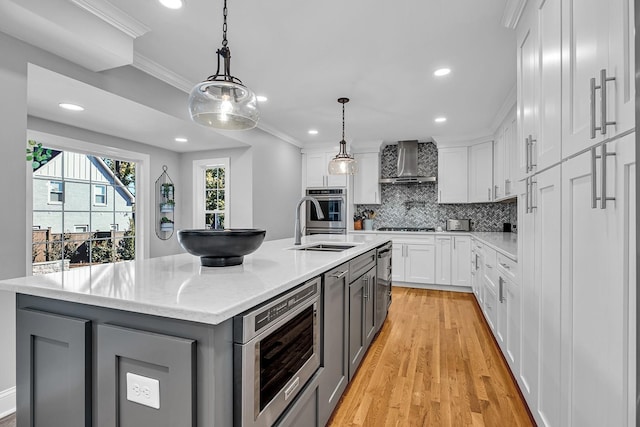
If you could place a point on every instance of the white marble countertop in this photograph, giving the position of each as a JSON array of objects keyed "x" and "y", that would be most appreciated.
[
  {"x": 178, "y": 287},
  {"x": 505, "y": 243}
]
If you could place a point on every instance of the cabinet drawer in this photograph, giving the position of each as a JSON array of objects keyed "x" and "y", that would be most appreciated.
[
  {"x": 490, "y": 307},
  {"x": 413, "y": 239},
  {"x": 490, "y": 267},
  {"x": 507, "y": 266},
  {"x": 361, "y": 265}
]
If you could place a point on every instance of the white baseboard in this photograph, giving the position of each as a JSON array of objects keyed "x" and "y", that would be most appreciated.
[
  {"x": 7, "y": 402},
  {"x": 465, "y": 289}
]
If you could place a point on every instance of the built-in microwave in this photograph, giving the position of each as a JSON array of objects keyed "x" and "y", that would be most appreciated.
[
  {"x": 333, "y": 202},
  {"x": 276, "y": 352}
]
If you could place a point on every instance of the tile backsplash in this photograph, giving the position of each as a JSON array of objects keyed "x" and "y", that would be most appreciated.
[{"x": 415, "y": 205}]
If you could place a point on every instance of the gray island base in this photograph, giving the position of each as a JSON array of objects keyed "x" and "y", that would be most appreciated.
[{"x": 81, "y": 361}]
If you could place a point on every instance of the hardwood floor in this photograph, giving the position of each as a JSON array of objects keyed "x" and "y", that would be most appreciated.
[
  {"x": 9, "y": 421},
  {"x": 434, "y": 363}
]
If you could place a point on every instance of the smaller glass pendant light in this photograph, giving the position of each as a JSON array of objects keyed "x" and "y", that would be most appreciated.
[
  {"x": 343, "y": 163},
  {"x": 222, "y": 101}
]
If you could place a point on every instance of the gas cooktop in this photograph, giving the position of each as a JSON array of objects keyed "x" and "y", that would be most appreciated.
[{"x": 406, "y": 229}]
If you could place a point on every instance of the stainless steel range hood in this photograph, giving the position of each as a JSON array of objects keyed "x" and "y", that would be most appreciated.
[{"x": 408, "y": 166}]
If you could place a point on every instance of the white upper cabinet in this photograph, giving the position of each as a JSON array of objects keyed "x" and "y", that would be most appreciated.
[
  {"x": 366, "y": 186},
  {"x": 597, "y": 46},
  {"x": 317, "y": 170},
  {"x": 539, "y": 42},
  {"x": 453, "y": 170},
  {"x": 504, "y": 158},
  {"x": 481, "y": 172}
]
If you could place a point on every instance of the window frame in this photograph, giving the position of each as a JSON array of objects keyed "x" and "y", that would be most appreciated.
[
  {"x": 95, "y": 194},
  {"x": 199, "y": 175},
  {"x": 143, "y": 181},
  {"x": 50, "y": 192}
]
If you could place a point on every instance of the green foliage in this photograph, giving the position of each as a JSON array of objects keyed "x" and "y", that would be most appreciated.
[
  {"x": 101, "y": 251},
  {"x": 165, "y": 220},
  {"x": 127, "y": 246},
  {"x": 125, "y": 171},
  {"x": 37, "y": 154}
]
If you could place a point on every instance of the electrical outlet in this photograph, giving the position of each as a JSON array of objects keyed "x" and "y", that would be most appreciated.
[{"x": 143, "y": 390}]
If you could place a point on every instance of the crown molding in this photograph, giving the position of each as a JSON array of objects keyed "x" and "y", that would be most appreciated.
[
  {"x": 512, "y": 12},
  {"x": 114, "y": 16},
  {"x": 156, "y": 70},
  {"x": 462, "y": 140},
  {"x": 278, "y": 134}
]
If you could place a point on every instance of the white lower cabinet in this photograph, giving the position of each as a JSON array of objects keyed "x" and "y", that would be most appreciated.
[
  {"x": 443, "y": 260},
  {"x": 598, "y": 313},
  {"x": 460, "y": 252},
  {"x": 413, "y": 259}
]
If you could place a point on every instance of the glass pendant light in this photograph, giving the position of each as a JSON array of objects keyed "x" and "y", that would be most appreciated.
[
  {"x": 343, "y": 163},
  {"x": 222, "y": 101}
]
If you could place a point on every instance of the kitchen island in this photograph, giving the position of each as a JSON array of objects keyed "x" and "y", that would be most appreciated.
[{"x": 81, "y": 332}]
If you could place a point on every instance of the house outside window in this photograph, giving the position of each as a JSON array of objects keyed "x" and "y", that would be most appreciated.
[
  {"x": 100, "y": 195},
  {"x": 84, "y": 206},
  {"x": 56, "y": 192}
]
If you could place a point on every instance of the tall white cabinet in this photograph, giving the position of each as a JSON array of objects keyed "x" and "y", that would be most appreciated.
[{"x": 577, "y": 247}]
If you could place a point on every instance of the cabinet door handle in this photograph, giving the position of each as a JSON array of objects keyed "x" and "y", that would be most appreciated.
[
  {"x": 526, "y": 153},
  {"x": 531, "y": 205},
  {"x": 365, "y": 290},
  {"x": 505, "y": 266},
  {"x": 603, "y": 102},
  {"x": 507, "y": 187},
  {"x": 603, "y": 177},
  {"x": 500, "y": 292},
  {"x": 488, "y": 266},
  {"x": 592, "y": 105},
  {"x": 531, "y": 164},
  {"x": 489, "y": 194},
  {"x": 339, "y": 275},
  {"x": 439, "y": 196},
  {"x": 454, "y": 243},
  {"x": 526, "y": 196},
  {"x": 495, "y": 191}
]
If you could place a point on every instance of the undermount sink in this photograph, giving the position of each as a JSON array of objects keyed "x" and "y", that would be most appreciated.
[{"x": 326, "y": 247}]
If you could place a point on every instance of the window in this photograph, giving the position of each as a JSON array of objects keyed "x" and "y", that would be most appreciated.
[
  {"x": 56, "y": 193},
  {"x": 214, "y": 197},
  {"x": 100, "y": 195},
  {"x": 88, "y": 215}
]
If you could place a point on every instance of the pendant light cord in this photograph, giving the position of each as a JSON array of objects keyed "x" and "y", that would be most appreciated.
[
  {"x": 343, "y": 121},
  {"x": 224, "y": 25}
]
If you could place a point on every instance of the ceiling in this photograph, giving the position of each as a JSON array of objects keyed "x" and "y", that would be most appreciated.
[{"x": 304, "y": 55}]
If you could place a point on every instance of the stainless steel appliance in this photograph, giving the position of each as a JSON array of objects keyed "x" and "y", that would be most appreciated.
[
  {"x": 458, "y": 225},
  {"x": 383, "y": 284},
  {"x": 276, "y": 351},
  {"x": 334, "y": 207},
  {"x": 407, "y": 172}
]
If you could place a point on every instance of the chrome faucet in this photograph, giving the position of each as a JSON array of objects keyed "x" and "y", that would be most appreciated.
[{"x": 298, "y": 230}]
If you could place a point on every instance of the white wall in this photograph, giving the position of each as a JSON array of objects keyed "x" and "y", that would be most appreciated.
[
  {"x": 240, "y": 199},
  {"x": 265, "y": 184},
  {"x": 277, "y": 185}
]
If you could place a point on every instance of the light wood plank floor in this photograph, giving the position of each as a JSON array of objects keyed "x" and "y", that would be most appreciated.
[
  {"x": 9, "y": 421},
  {"x": 434, "y": 363}
]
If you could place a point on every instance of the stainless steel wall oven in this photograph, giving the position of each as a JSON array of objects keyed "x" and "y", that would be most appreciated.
[
  {"x": 276, "y": 351},
  {"x": 333, "y": 202}
]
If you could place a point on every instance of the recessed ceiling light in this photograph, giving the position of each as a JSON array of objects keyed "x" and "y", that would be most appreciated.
[
  {"x": 313, "y": 132},
  {"x": 172, "y": 4},
  {"x": 440, "y": 119},
  {"x": 181, "y": 139},
  {"x": 441, "y": 72},
  {"x": 71, "y": 107},
  {"x": 261, "y": 98}
]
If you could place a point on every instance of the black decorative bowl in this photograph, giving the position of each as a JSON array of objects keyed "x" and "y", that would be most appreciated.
[{"x": 221, "y": 248}]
